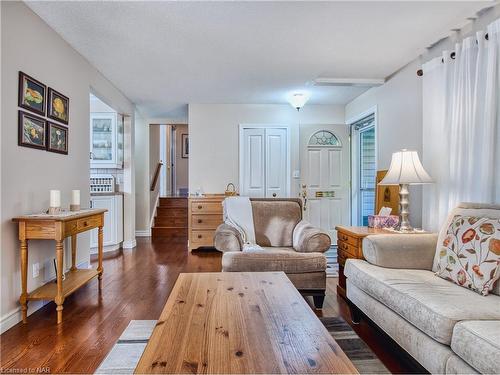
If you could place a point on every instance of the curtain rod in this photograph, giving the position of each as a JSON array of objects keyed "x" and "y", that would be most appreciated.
[{"x": 420, "y": 72}]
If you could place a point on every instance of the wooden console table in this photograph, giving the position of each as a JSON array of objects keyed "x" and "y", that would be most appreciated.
[{"x": 58, "y": 227}]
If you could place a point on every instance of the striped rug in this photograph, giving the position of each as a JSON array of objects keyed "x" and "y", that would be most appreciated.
[{"x": 125, "y": 354}]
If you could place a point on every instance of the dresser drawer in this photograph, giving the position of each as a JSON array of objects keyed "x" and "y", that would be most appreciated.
[
  {"x": 205, "y": 221},
  {"x": 203, "y": 207},
  {"x": 348, "y": 250},
  {"x": 91, "y": 222},
  {"x": 351, "y": 240},
  {"x": 202, "y": 237}
]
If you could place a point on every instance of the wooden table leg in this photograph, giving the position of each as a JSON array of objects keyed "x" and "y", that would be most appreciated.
[
  {"x": 99, "y": 255},
  {"x": 23, "y": 300},
  {"x": 59, "y": 300},
  {"x": 73, "y": 253}
]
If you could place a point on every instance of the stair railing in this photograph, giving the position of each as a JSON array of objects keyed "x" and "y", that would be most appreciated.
[{"x": 156, "y": 176}]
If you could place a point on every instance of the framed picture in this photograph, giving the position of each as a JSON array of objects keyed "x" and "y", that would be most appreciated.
[
  {"x": 32, "y": 94},
  {"x": 185, "y": 146},
  {"x": 31, "y": 131},
  {"x": 386, "y": 195},
  {"x": 57, "y": 138},
  {"x": 57, "y": 106}
]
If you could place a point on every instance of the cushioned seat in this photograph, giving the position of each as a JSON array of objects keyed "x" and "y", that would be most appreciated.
[
  {"x": 478, "y": 343},
  {"x": 430, "y": 303},
  {"x": 284, "y": 259}
]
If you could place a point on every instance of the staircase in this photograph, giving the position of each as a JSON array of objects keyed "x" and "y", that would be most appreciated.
[{"x": 171, "y": 220}]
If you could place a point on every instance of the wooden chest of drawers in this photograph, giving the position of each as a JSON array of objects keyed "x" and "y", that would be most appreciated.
[
  {"x": 350, "y": 245},
  {"x": 205, "y": 215}
]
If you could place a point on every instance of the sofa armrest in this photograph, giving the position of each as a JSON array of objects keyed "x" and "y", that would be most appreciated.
[
  {"x": 309, "y": 239},
  {"x": 227, "y": 238},
  {"x": 412, "y": 251}
]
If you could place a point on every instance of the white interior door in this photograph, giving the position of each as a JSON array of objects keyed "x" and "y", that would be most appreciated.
[
  {"x": 253, "y": 153},
  {"x": 276, "y": 163},
  {"x": 264, "y": 162},
  {"x": 324, "y": 154}
]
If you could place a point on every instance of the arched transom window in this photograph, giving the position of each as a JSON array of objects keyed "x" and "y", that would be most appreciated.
[{"x": 324, "y": 138}]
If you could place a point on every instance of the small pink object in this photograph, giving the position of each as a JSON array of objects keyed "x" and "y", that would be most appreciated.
[{"x": 377, "y": 221}]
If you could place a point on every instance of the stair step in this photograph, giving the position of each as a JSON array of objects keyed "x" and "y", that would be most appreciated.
[
  {"x": 163, "y": 232},
  {"x": 171, "y": 221},
  {"x": 174, "y": 202},
  {"x": 171, "y": 212}
]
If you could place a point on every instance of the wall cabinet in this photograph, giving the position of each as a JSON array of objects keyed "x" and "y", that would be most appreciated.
[
  {"x": 106, "y": 140},
  {"x": 113, "y": 222}
]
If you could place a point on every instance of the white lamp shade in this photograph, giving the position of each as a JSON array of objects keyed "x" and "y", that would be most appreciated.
[
  {"x": 298, "y": 100},
  {"x": 406, "y": 168}
]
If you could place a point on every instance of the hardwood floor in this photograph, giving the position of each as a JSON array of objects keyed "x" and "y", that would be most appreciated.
[{"x": 136, "y": 285}]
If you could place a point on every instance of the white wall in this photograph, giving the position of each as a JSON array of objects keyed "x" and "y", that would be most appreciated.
[
  {"x": 27, "y": 175},
  {"x": 181, "y": 164},
  {"x": 141, "y": 159},
  {"x": 399, "y": 122},
  {"x": 214, "y": 131}
]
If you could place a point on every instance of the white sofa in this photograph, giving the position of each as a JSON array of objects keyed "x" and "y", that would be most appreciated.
[{"x": 446, "y": 328}]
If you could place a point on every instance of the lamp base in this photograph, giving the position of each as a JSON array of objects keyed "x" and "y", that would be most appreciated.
[{"x": 404, "y": 210}]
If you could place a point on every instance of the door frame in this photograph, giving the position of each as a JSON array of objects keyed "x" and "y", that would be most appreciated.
[
  {"x": 242, "y": 128},
  {"x": 354, "y": 140}
]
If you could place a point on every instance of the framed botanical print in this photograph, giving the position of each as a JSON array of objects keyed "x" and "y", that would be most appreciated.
[
  {"x": 57, "y": 106},
  {"x": 57, "y": 138},
  {"x": 31, "y": 131},
  {"x": 185, "y": 146},
  {"x": 32, "y": 94}
]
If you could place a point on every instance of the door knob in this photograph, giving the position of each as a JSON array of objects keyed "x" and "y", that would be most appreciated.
[{"x": 274, "y": 195}]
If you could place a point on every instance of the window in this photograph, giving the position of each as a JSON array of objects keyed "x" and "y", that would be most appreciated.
[
  {"x": 324, "y": 138},
  {"x": 366, "y": 157}
]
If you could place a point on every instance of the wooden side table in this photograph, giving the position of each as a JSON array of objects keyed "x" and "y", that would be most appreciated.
[
  {"x": 58, "y": 227},
  {"x": 350, "y": 245}
]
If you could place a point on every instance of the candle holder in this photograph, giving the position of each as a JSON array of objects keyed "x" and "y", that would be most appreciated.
[
  {"x": 74, "y": 207},
  {"x": 54, "y": 210}
]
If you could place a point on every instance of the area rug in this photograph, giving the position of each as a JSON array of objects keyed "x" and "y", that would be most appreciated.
[{"x": 125, "y": 354}]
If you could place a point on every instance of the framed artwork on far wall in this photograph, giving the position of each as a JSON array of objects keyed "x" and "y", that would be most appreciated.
[
  {"x": 57, "y": 106},
  {"x": 185, "y": 146},
  {"x": 32, "y": 94},
  {"x": 31, "y": 131},
  {"x": 57, "y": 138}
]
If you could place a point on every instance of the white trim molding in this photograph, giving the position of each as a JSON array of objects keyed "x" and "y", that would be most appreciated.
[
  {"x": 129, "y": 244},
  {"x": 143, "y": 233}
]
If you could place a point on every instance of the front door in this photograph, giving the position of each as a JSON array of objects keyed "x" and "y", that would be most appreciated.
[{"x": 324, "y": 154}]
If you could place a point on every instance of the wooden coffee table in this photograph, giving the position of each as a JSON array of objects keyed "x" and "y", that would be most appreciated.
[{"x": 240, "y": 323}]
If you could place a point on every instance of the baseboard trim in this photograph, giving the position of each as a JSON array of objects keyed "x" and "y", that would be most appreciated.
[
  {"x": 129, "y": 244},
  {"x": 13, "y": 317},
  {"x": 143, "y": 233}
]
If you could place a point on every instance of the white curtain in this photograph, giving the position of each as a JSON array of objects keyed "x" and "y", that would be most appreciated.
[{"x": 461, "y": 126}]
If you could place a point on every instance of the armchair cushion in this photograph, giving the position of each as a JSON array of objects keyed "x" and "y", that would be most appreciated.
[
  {"x": 412, "y": 251},
  {"x": 309, "y": 239},
  {"x": 227, "y": 238},
  {"x": 273, "y": 259}
]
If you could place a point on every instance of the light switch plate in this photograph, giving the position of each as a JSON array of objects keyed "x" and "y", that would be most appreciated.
[
  {"x": 296, "y": 174},
  {"x": 36, "y": 270}
]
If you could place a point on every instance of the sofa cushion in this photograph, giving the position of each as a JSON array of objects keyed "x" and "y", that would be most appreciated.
[
  {"x": 430, "y": 303},
  {"x": 469, "y": 255},
  {"x": 478, "y": 343},
  {"x": 273, "y": 259},
  {"x": 310, "y": 239},
  {"x": 275, "y": 220},
  {"x": 469, "y": 209}
]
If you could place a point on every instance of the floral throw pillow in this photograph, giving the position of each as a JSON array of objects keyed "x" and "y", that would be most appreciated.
[{"x": 470, "y": 253}]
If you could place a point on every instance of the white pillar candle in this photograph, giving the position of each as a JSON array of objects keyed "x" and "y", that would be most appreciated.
[
  {"x": 75, "y": 197},
  {"x": 55, "y": 198}
]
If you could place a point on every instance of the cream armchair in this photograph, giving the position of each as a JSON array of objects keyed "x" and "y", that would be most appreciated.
[{"x": 289, "y": 244}]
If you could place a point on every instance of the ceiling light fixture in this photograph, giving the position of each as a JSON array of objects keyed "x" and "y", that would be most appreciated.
[{"x": 298, "y": 100}]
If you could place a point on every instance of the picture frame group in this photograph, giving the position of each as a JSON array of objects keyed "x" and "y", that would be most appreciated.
[{"x": 38, "y": 132}]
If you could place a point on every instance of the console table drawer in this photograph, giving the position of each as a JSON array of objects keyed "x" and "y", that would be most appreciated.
[
  {"x": 91, "y": 222},
  {"x": 202, "y": 237},
  {"x": 206, "y": 221},
  {"x": 206, "y": 207}
]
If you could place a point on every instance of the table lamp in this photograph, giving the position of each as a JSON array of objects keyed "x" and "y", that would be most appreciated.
[{"x": 405, "y": 169}]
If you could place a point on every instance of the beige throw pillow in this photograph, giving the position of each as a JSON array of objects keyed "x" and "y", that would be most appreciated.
[{"x": 470, "y": 253}]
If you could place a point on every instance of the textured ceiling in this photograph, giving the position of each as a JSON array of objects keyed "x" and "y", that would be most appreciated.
[{"x": 163, "y": 55}]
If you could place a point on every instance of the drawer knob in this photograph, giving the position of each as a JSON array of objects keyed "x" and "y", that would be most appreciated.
[
  {"x": 199, "y": 236},
  {"x": 200, "y": 221},
  {"x": 200, "y": 207},
  {"x": 85, "y": 224}
]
